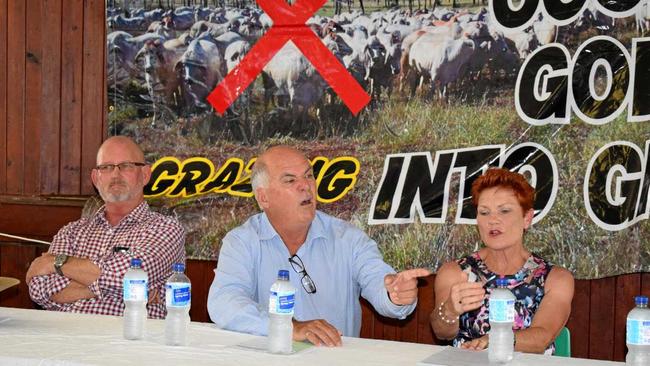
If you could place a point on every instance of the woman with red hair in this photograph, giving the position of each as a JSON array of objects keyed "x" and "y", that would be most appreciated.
[{"x": 504, "y": 204}]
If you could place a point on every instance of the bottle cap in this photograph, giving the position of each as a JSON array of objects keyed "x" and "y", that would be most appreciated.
[
  {"x": 502, "y": 282},
  {"x": 136, "y": 262},
  {"x": 283, "y": 274},
  {"x": 641, "y": 300},
  {"x": 178, "y": 267}
]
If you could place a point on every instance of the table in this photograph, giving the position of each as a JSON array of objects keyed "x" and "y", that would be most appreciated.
[{"x": 37, "y": 337}]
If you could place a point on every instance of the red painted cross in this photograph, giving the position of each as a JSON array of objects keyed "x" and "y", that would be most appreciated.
[{"x": 289, "y": 24}]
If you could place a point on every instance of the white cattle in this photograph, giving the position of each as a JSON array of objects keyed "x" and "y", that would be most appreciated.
[{"x": 201, "y": 70}]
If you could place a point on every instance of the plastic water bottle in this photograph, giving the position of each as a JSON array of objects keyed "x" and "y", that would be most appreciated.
[
  {"x": 638, "y": 333},
  {"x": 178, "y": 296},
  {"x": 502, "y": 317},
  {"x": 281, "y": 302},
  {"x": 135, "y": 300}
]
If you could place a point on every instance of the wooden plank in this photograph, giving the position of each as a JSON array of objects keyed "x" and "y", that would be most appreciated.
[
  {"x": 579, "y": 319},
  {"x": 14, "y": 262},
  {"x": 601, "y": 322},
  {"x": 51, "y": 91},
  {"x": 71, "y": 99},
  {"x": 15, "y": 95},
  {"x": 627, "y": 287},
  {"x": 377, "y": 326},
  {"x": 3, "y": 95},
  {"x": 93, "y": 90},
  {"x": 201, "y": 274},
  {"x": 391, "y": 328},
  {"x": 33, "y": 98},
  {"x": 408, "y": 329},
  {"x": 645, "y": 284},
  {"x": 426, "y": 304},
  {"x": 19, "y": 219},
  {"x": 367, "y": 319}
]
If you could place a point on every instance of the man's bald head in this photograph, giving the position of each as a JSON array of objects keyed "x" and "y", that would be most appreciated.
[
  {"x": 119, "y": 143},
  {"x": 260, "y": 171}
]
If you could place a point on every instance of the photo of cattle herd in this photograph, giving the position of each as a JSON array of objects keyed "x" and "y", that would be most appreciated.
[{"x": 440, "y": 75}]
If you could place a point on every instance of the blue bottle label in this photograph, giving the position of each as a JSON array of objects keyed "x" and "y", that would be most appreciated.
[
  {"x": 281, "y": 302},
  {"x": 135, "y": 290},
  {"x": 638, "y": 332},
  {"x": 502, "y": 310},
  {"x": 178, "y": 294}
]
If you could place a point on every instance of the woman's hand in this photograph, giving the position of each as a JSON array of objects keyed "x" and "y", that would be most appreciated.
[
  {"x": 465, "y": 296},
  {"x": 477, "y": 344}
]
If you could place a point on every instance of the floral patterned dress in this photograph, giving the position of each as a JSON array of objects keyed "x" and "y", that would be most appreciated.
[{"x": 527, "y": 285}]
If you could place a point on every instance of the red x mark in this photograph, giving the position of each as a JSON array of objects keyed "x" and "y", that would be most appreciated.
[{"x": 289, "y": 24}]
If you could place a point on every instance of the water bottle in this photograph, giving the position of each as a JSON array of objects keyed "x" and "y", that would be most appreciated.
[
  {"x": 638, "y": 333},
  {"x": 135, "y": 300},
  {"x": 178, "y": 296},
  {"x": 281, "y": 304},
  {"x": 502, "y": 317}
]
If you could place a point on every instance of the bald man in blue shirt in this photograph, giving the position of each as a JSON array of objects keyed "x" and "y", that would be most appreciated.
[{"x": 333, "y": 261}]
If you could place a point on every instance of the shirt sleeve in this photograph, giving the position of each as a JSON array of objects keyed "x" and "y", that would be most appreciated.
[
  {"x": 231, "y": 303},
  {"x": 370, "y": 270},
  {"x": 41, "y": 288},
  {"x": 159, "y": 246}
]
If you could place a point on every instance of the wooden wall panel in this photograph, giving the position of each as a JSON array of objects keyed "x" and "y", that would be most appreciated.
[
  {"x": 645, "y": 284},
  {"x": 601, "y": 322},
  {"x": 627, "y": 287},
  {"x": 201, "y": 275},
  {"x": 14, "y": 262},
  {"x": 94, "y": 88},
  {"x": 15, "y": 95},
  {"x": 408, "y": 329},
  {"x": 36, "y": 221},
  {"x": 71, "y": 97},
  {"x": 3, "y": 94},
  {"x": 33, "y": 99},
  {"x": 367, "y": 323},
  {"x": 426, "y": 303},
  {"x": 51, "y": 92},
  {"x": 579, "y": 319}
]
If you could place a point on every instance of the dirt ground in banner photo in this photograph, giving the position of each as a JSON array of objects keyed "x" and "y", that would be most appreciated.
[{"x": 476, "y": 110}]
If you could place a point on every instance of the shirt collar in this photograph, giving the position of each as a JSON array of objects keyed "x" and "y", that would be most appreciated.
[
  {"x": 316, "y": 229},
  {"x": 138, "y": 214}
]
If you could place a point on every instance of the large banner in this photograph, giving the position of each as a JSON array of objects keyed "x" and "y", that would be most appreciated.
[{"x": 400, "y": 106}]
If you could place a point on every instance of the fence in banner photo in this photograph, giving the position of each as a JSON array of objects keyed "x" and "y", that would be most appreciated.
[{"x": 399, "y": 106}]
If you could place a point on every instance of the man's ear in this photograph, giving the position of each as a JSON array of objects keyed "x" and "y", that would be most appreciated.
[
  {"x": 262, "y": 197},
  {"x": 94, "y": 177},
  {"x": 146, "y": 174}
]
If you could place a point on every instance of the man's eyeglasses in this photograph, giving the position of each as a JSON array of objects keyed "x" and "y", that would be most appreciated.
[
  {"x": 125, "y": 166},
  {"x": 305, "y": 280}
]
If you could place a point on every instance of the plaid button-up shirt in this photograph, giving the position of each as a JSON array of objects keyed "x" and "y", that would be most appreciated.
[{"x": 156, "y": 239}]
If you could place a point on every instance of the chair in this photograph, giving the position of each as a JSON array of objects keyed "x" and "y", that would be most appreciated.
[{"x": 563, "y": 343}]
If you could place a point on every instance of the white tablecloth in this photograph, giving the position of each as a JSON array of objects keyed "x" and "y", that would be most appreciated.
[{"x": 33, "y": 337}]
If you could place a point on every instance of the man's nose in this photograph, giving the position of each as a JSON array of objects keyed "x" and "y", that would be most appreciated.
[
  {"x": 303, "y": 183},
  {"x": 116, "y": 171}
]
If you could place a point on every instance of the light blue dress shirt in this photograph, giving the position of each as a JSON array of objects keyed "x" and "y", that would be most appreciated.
[{"x": 342, "y": 261}]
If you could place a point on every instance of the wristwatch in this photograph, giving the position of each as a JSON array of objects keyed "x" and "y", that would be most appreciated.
[{"x": 59, "y": 261}]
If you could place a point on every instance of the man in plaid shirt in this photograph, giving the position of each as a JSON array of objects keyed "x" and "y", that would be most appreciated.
[{"x": 83, "y": 270}]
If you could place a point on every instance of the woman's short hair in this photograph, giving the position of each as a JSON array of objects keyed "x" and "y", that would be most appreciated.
[{"x": 499, "y": 177}]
